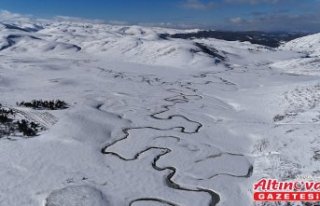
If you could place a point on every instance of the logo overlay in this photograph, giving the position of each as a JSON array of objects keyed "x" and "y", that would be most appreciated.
[{"x": 272, "y": 190}]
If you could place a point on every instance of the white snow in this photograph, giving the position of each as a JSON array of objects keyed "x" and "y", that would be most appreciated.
[
  {"x": 308, "y": 44},
  {"x": 153, "y": 121},
  {"x": 76, "y": 196}
]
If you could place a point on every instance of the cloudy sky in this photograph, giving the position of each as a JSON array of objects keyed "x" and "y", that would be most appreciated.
[{"x": 269, "y": 15}]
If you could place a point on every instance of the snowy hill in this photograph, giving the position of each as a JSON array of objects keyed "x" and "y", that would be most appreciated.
[
  {"x": 135, "y": 43},
  {"x": 309, "y": 62},
  {"x": 97, "y": 114},
  {"x": 309, "y": 44}
]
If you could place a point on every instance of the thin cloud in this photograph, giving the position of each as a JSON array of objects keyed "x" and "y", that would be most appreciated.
[
  {"x": 308, "y": 22},
  {"x": 9, "y": 16},
  {"x": 236, "y": 20},
  {"x": 77, "y": 19},
  {"x": 253, "y": 1},
  {"x": 197, "y": 5}
]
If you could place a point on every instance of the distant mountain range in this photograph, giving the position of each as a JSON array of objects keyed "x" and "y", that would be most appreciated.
[{"x": 270, "y": 39}]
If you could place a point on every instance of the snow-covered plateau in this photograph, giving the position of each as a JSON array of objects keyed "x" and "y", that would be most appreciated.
[{"x": 150, "y": 120}]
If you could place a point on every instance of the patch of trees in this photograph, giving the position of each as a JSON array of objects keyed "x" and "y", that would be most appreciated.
[
  {"x": 6, "y": 121},
  {"x": 278, "y": 118},
  {"x": 27, "y": 128},
  {"x": 10, "y": 126},
  {"x": 44, "y": 104}
]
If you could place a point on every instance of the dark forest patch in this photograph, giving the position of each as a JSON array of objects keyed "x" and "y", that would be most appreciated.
[
  {"x": 270, "y": 39},
  {"x": 44, "y": 104},
  {"x": 10, "y": 125}
]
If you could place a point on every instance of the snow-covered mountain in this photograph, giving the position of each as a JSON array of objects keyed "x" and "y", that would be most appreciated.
[
  {"x": 144, "y": 119},
  {"x": 309, "y": 44},
  {"x": 135, "y": 43},
  {"x": 309, "y": 63}
]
